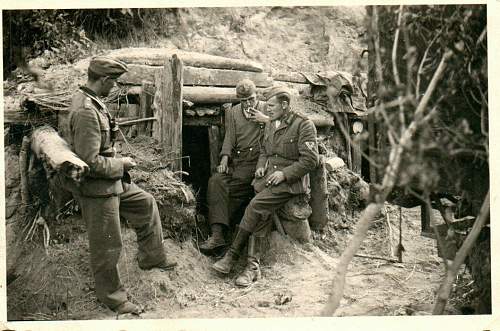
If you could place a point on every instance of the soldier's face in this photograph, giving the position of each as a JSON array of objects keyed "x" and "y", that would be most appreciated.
[
  {"x": 250, "y": 102},
  {"x": 275, "y": 108},
  {"x": 107, "y": 84}
]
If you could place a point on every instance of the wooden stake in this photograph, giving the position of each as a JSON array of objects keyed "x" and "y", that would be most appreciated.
[{"x": 170, "y": 113}]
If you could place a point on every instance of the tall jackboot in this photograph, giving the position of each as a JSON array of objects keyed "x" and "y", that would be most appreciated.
[
  {"x": 225, "y": 264},
  {"x": 215, "y": 242},
  {"x": 252, "y": 270}
]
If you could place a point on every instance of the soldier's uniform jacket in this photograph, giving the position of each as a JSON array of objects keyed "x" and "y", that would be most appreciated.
[
  {"x": 242, "y": 140},
  {"x": 291, "y": 148},
  {"x": 90, "y": 138}
]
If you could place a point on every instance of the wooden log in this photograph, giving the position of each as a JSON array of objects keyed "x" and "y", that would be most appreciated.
[
  {"x": 157, "y": 56},
  {"x": 290, "y": 77},
  {"x": 210, "y": 95},
  {"x": 215, "y": 145},
  {"x": 320, "y": 120},
  {"x": 23, "y": 118},
  {"x": 221, "y": 77},
  {"x": 145, "y": 102},
  {"x": 356, "y": 153},
  {"x": 170, "y": 111},
  {"x": 56, "y": 154},
  {"x": 139, "y": 74},
  {"x": 333, "y": 163},
  {"x": 319, "y": 197}
]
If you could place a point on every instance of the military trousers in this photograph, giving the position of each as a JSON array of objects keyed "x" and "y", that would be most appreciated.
[
  {"x": 257, "y": 218},
  {"x": 102, "y": 217},
  {"x": 227, "y": 193}
]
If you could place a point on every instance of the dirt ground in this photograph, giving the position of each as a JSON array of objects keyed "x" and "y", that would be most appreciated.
[{"x": 296, "y": 279}]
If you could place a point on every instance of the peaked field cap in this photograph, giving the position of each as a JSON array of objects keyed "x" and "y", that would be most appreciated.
[
  {"x": 245, "y": 89},
  {"x": 274, "y": 91},
  {"x": 107, "y": 66}
]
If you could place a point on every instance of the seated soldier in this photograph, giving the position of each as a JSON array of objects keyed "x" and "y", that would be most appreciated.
[
  {"x": 289, "y": 152},
  {"x": 231, "y": 187}
]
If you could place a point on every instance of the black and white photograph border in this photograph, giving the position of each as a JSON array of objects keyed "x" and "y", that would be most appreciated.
[{"x": 135, "y": 219}]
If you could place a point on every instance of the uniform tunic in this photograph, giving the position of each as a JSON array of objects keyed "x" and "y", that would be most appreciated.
[
  {"x": 227, "y": 193},
  {"x": 104, "y": 198},
  {"x": 292, "y": 149}
]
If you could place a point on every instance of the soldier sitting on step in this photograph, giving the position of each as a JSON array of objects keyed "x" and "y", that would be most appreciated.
[{"x": 231, "y": 187}]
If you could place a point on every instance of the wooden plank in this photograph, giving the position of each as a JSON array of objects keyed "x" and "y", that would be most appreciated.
[
  {"x": 170, "y": 113},
  {"x": 319, "y": 197},
  {"x": 145, "y": 110},
  {"x": 157, "y": 56},
  {"x": 139, "y": 74},
  {"x": 290, "y": 77},
  {"x": 215, "y": 145}
]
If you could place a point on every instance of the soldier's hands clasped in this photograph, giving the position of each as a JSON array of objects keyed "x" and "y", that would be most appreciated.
[
  {"x": 276, "y": 178},
  {"x": 128, "y": 163}
]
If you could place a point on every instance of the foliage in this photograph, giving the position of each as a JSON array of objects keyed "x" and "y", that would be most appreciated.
[
  {"x": 63, "y": 35},
  {"x": 451, "y": 152}
]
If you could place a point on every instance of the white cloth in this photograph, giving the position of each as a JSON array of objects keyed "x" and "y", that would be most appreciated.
[{"x": 277, "y": 123}]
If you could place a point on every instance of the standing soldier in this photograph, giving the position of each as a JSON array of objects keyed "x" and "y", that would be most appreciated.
[
  {"x": 289, "y": 152},
  {"x": 105, "y": 194},
  {"x": 231, "y": 187}
]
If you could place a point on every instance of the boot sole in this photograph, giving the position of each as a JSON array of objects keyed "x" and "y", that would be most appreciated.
[
  {"x": 225, "y": 272},
  {"x": 216, "y": 251}
]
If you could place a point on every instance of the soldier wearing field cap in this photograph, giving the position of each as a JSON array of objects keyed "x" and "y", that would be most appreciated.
[
  {"x": 231, "y": 187},
  {"x": 289, "y": 152},
  {"x": 107, "y": 193}
]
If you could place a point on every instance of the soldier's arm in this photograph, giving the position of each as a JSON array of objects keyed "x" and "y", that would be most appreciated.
[
  {"x": 308, "y": 153},
  {"x": 87, "y": 142},
  {"x": 230, "y": 136},
  {"x": 261, "y": 163}
]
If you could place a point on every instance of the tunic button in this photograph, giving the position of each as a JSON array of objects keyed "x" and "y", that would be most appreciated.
[
  {"x": 275, "y": 167},
  {"x": 251, "y": 149}
]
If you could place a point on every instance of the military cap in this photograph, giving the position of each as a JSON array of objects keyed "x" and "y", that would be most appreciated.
[
  {"x": 274, "y": 91},
  {"x": 245, "y": 89},
  {"x": 106, "y": 66}
]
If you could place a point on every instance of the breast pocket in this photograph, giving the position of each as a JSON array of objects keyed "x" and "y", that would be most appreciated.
[
  {"x": 290, "y": 147},
  {"x": 105, "y": 130}
]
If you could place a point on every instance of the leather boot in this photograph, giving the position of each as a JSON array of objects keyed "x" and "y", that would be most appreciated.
[
  {"x": 252, "y": 270},
  {"x": 225, "y": 264},
  {"x": 215, "y": 242}
]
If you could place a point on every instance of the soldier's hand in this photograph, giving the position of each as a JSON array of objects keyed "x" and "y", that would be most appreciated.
[
  {"x": 128, "y": 163},
  {"x": 260, "y": 172},
  {"x": 260, "y": 117},
  {"x": 276, "y": 178},
  {"x": 222, "y": 168}
]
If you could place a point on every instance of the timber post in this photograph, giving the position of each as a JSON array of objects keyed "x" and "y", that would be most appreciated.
[
  {"x": 170, "y": 112},
  {"x": 146, "y": 100},
  {"x": 215, "y": 146}
]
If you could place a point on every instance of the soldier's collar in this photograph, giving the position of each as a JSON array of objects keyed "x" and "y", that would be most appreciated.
[
  {"x": 92, "y": 95},
  {"x": 288, "y": 117}
]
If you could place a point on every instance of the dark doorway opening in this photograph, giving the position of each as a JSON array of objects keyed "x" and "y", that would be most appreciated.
[{"x": 195, "y": 145}]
